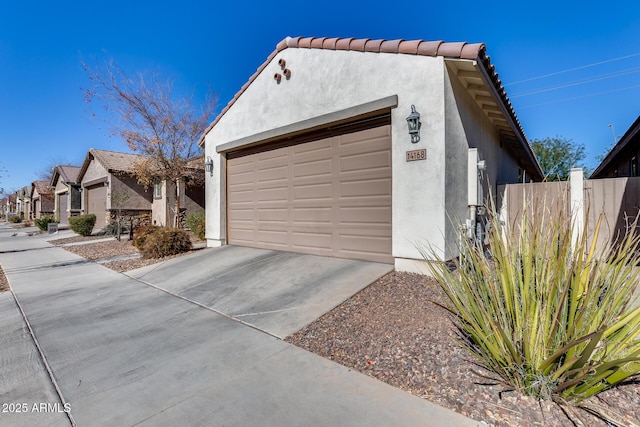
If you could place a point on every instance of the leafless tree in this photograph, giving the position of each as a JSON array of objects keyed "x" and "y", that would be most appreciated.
[{"x": 152, "y": 122}]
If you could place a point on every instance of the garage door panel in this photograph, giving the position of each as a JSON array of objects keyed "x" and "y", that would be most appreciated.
[
  {"x": 365, "y": 161},
  {"x": 315, "y": 168},
  {"x": 356, "y": 215},
  {"x": 326, "y": 197},
  {"x": 364, "y": 188},
  {"x": 311, "y": 215},
  {"x": 313, "y": 192},
  {"x": 276, "y": 174},
  {"x": 278, "y": 215},
  {"x": 272, "y": 194},
  {"x": 319, "y": 242}
]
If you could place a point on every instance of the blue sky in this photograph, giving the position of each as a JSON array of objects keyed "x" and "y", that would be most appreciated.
[{"x": 201, "y": 44}]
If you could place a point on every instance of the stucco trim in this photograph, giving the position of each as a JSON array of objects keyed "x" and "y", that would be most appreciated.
[
  {"x": 101, "y": 180},
  {"x": 337, "y": 117}
]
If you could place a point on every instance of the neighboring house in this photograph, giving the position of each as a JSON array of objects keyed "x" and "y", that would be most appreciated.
[
  {"x": 104, "y": 174},
  {"x": 9, "y": 205},
  {"x": 313, "y": 154},
  {"x": 42, "y": 199},
  {"x": 23, "y": 202},
  {"x": 66, "y": 192},
  {"x": 4, "y": 207},
  {"x": 622, "y": 160},
  {"x": 191, "y": 195}
]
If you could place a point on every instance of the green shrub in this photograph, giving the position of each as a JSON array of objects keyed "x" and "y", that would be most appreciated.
[
  {"x": 82, "y": 224},
  {"x": 15, "y": 219},
  {"x": 43, "y": 222},
  {"x": 140, "y": 235},
  {"x": 163, "y": 242},
  {"x": 196, "y": 223},
  {"x": 549, "y": 320}
]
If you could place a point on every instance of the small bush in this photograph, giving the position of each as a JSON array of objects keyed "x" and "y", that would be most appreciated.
[
  {"x": 140, "y": 235},
  {"x": 196, "y": 223},
  {"x": 82, "y": 224},
  {"x": 43, "y": 222},
  {"x": 163, "y": 242},
  {"x": 15, "y": 219}
]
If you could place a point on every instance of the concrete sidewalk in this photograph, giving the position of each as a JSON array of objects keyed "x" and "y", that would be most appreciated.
[{"x": 123, "y": 353}]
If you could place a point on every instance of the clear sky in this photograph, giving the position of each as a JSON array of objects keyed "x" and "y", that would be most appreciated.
[{"x": 198, "y": 44}]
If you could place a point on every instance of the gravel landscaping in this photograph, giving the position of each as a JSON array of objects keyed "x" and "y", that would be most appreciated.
[
  {"x": 393, "y": 331},
  {"x": 4, "y": 284}
]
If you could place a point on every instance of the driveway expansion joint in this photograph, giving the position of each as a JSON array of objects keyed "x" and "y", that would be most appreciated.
[{"x": 43, "y": 358}]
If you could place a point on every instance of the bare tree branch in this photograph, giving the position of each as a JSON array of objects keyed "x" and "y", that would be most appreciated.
[{"x": 151, "y": 121}]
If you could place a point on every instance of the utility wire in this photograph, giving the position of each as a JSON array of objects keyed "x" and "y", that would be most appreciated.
[
  {"x": 578, "y": 82},
  {"x": 574, "y": 69},
  {"x": 579, "y": 97}
]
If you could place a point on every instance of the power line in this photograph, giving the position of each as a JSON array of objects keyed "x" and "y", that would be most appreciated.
[
  {"x": 573, "y": 69},
  {"x": 579, "y": 97},
  {"x": 578, "y": 82}
]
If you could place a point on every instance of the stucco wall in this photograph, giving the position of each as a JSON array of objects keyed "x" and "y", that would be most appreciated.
[
  {"x": 139, "y": 197},
  {"x": 94, "y": 171},
  {"x": 323, "y": 82}
]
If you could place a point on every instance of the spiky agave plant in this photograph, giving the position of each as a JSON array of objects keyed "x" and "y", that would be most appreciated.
[{"x": 551, "y": 315}]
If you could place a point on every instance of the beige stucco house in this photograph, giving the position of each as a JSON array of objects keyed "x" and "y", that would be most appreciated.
[
  {"x": 66, "y": 190},
  {"x": 103, "y": 176},
  {"x": 314, "y": 154},
  {"x": 42, "y": 199},
  {"x": 191, "y": 195}
]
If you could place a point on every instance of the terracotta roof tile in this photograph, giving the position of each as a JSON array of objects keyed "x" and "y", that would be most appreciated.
[
  {"x": 305, "y": 42},
  {"x": 460, "y": 50},
  {"x": 429, "y": 48},
  {"x": 390, "y": 46},
  {"x": 358, "y": 44},
  {"x": 409, "y": 46},
  {"x": 451, "y": 50},
  {"x": 373, "y": 46},
  {"x": 344, "y": 44},
  {"x": 330, "y": 43},
  {"x": 317, "y": 43},
  {"x": 472, "y": 51}
]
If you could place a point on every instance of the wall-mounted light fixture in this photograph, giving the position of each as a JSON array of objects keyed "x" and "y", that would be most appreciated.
[
  {"x": 413, "y": 121},
  {"x": 208, "y": 166}
]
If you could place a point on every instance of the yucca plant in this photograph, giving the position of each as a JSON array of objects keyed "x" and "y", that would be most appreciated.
[{"x": 547, "y": 312}]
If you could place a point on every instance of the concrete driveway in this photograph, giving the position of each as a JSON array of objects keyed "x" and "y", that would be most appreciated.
[
  {"x": 276, "y": 292},
  {"x": 120, "y": 352}
]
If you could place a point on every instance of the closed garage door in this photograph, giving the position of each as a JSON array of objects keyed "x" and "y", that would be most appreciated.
[
  {"x": 96, "y": 203},
  {"x": 62, "y": 212},
  {"x": 329, "y": 197}
]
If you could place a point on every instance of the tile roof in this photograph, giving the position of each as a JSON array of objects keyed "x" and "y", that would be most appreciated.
[
  {"x": 115, "y": 161},
  {"x": 458, "y": 50},
  {"x": 68, "y": 173},
  {"x": 42, "y": 187}
]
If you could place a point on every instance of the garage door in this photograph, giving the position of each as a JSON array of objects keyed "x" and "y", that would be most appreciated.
[
  {"x": 62, "y": 213},
  {"x": 96, "y": 203},
  {"x": 329, "y": 197}
]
